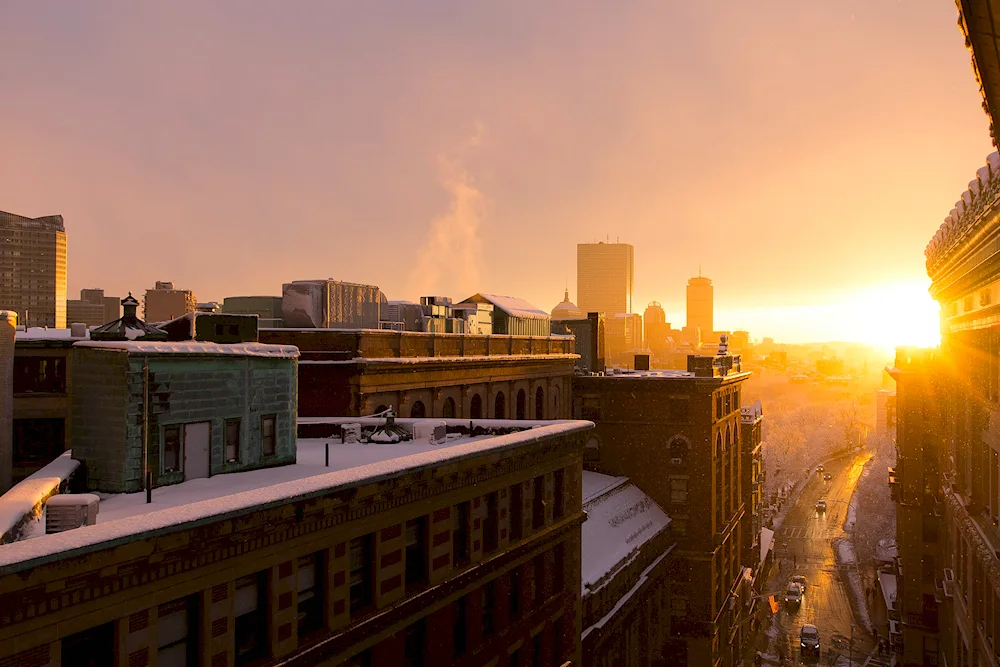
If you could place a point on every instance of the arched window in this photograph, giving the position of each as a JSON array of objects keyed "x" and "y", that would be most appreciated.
[
  {"x": 500, "y": 406},
  {"x": 539, "y": 403},
  {"x": 718, "y": 445},
  {"x": 522, "y": 405},
  {"x": 476, "y": 407},
  {"x": 678, "y": 450},
  {"x": 448, "y": 409},
  {"x": 592, "y": 450},
  {"x": 381, "y": 408},
  {"x": 418, "y": 411}
]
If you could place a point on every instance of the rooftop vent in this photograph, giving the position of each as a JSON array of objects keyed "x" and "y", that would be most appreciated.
[
  {"x": 68, "y": 511},
  {"x": 350, "y": 432},
  {"x": 433, "y": 431},
  {"x": 78, "y": 330}
]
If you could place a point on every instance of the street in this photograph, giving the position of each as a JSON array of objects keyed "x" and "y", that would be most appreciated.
[{"x": 804, "y": 545}]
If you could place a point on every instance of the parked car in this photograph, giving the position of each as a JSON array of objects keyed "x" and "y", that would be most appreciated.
[
  {"x": 809, "y": 640},
  {"x": 828, "y": 477},
  {"x": 820, "y": 505},
  {"x": 793, "y": 596},
  {"x": 820, "y": 468},
  {"x": 800, "y": 579}
]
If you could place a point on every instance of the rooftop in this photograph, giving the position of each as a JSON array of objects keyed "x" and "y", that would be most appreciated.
[
  {"x": 620, "y": 519},
  {"x": 45, "y": 333},
  {"x": 512, "y": 305},
  {"x": 195, "y": 347},
  {"x": 121, "y": 517}
]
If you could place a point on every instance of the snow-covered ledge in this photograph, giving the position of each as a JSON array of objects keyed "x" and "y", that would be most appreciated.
[{"x": 25, "y": 501}]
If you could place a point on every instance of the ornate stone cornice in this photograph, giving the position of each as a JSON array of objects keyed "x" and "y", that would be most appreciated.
[{"x": 984, "y": 552}]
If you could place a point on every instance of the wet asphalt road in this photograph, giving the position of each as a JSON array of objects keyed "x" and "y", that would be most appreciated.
[{"x": 804, "y": 545}]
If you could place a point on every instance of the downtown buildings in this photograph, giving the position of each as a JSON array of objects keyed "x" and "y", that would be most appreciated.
[
  {"x": 33, "y": 269},
  {"x": 604, "y": 277}
]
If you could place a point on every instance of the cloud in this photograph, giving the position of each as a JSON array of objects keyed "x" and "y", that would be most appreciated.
[{"x": 450, "y": 261}]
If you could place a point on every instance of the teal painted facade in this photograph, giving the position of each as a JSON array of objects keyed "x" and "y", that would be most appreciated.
[{"x": 114, "y": 403}]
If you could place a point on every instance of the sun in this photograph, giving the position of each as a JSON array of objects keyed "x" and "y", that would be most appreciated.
[{"x": 889, "y": 316}]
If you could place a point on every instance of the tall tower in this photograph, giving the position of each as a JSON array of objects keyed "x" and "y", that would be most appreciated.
[
  {"x": 700, "y": 305},
  {"x": 604, "y": 277},
  {"x": 33, "y": 269}
]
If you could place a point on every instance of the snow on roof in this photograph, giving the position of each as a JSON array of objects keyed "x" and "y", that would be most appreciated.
[
  {"x": 196, "y": 347},
  {"x": 44, "y": 333},
  {"x": 887, "y": 582},
  {"x": 513, "y": 306},
  {"x": 199, "y": 501},
  {"x": 24, "y": 500},
  {"x": 620, "y": 519},
  {"x": 442, "y": 359}
]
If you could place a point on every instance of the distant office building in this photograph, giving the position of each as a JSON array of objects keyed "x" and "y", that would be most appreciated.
[
  {"x": 93, "y": 308},
  {"x": 604, "y": 277},
  {"x": 33, "y": 269},
  {"x": 739, "y": 341},
  {"x": 266, "y": 308},
  {"x": 624, "y": 338},
  {"x": 164, "y": 303},
  {"x": 567, "y": 310},
  {"x": 331, "y": 304},
  {"x": 513, "y": 316},
  {"x": 656, "y": 329},
  {"x": 700, "y": 305}
]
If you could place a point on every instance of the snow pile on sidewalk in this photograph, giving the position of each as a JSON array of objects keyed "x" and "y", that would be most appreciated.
[
  {"x": 852, "y": 513},
  {"x": 845, "y": 552},
  {"x": 849, "y": 571}
]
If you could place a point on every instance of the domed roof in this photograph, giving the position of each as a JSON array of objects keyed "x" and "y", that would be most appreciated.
[{"x": 567, "y": 310}]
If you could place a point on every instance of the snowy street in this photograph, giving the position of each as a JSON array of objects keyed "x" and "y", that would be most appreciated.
[{"x": 805, "y": 545}]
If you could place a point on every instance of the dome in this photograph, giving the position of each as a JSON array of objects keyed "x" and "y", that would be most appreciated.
[{"x": 567, "y": 310}]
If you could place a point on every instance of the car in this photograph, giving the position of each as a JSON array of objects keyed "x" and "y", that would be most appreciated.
[
  {"x": 820, "y": 468},
  {"x": 793, "y": 596},
  {"x": 828, "y": 477},
  {"x": 800, "y": 579},
  {"x": 820, "y": 505},
  {"x": 809, "y": 639}
]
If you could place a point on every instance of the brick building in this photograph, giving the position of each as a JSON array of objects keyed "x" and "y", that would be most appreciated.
[
  {"x": 93, "y": 308},
  {"x": 460, "y": 553},
  {"x": 164, "y": 303},
  {"x": 677, "y": 436},
  {"x": 362, "y": 372}
]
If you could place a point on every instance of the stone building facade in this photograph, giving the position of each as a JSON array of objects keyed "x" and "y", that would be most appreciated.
[
  {"x": 467, "y": 556},
  {"x": 205, "y": 409},
  {"x": 361, "y": 372},
  {"x": 677, "y": 436}
]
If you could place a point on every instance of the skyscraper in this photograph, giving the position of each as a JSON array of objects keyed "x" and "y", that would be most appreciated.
[
  {"x": 604, "y": 277},
  {"x": 700, "y": 297},
  {"x": 33, "y": 269}
]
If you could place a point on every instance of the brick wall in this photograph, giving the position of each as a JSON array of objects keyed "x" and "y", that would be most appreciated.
[{"x": 99, "y": 436}]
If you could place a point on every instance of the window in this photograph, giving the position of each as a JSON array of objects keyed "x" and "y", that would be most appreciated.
[
  {"x": 557, "y": 640},
  {"x": 491, "y": 531},
  {"x": 176, "y": 645},
  {"x": 416, "y": 552},
  {"x": 476, "y": 407},
  {"x": 415, "y": 644},
  {"x": 591, "y": 409},
  {"x": 558, "y": 492},
  {"x": 559, "y": 577},
  {"x": 592, "y": 450},
  {"x": 39, "y": 375},
  {"x": 362, "y": 578},
  {"x": 729, "y": 402},
  {"x": 516, "y": 512},
  {"x": 38, "y": 440},
  {"x": 678, "y": 607},
  {"x": 538, "y": 572},
  {"x": 522, "y": 409},
  {"x": 448, "y": 409},
  {"x": 232, "y": 440},
  {"x": 250, "y": 610},
  {"x": 460, "y": 626},
  {"x": 678, "y": 526},
  {"x": 418, "y": 411},
  {"x": 500, "y": 406},
  {"x": 536, "y": 650},
  {"x": 91, "y": 648},
  {"x": 310, "y": 586},
  {"x": 489, "y": 608},
  {"x": 267, "y": 435},
  {"x": 678, "y": 490},
  {"x": 171, "y": 448},
  {"x": 538, "y": 504},
  {"x": 514, "y": 599},
  {"x": 718, "y": 406},
  {"x": 539, "y": 403},
  {"x": 460, "y": 535}
]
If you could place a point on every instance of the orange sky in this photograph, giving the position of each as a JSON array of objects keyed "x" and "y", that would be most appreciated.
[{"x": 801, "y": 152}]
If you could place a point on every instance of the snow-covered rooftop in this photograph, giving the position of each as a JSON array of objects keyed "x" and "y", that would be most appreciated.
[
  {"x": 620, "y": 519},
  {"x": 196, "y": 347},
  {"x": 513, "y": 306},
  {"x": 123, "y": 516},
  {"x": 45, "y": 333}
]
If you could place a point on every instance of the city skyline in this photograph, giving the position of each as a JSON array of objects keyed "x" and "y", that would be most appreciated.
[{"x": 461, "y": 187}]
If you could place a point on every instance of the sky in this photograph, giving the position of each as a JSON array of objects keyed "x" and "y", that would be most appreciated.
[{"x": 801, "y": 153}]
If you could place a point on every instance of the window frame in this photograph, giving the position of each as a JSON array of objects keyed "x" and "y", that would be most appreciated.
[
  {"x": 417, "y": 574},
  {"x": 314, "y": 616},
  {"x": 461, "y": 553},
  {"x": 179, "y": 468},
  {"x": 264, "y": 449},
  {"x": 227, "y": 424},
  {"x": 357, "y": 605}
]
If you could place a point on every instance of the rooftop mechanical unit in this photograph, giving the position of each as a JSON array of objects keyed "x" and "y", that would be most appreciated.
[{"x": 67, "y": 511}]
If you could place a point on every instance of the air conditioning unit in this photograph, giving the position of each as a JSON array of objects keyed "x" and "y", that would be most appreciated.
[
  {"x": 68, "y": 511},
  {"x": 433, "y": 431},
  {"x": 949, "y": 574},
  {"x": 350, "y": 432}
]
